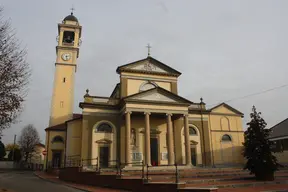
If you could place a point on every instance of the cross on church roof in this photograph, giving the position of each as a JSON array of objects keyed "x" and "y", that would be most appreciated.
[
  {"x": 149, "y": 49},
  {"x": 72, "y": 9}
]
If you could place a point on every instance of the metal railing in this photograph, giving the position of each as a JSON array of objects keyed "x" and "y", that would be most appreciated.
[
  {"x": 176, "y": 172},
  {"x": 117, "y": 168}
]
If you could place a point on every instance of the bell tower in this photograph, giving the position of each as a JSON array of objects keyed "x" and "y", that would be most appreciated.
[{"x": 67, "y": 53}]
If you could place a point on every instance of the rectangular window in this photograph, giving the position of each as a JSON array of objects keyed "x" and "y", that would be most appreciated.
[
  {"x": 64, "y": 79},
  {"x": 61, "y": 104}
]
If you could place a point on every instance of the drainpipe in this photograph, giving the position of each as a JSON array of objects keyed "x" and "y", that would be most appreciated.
[
  {"x": 47, "y": 150},
  {"x": 201, "y": 103}
]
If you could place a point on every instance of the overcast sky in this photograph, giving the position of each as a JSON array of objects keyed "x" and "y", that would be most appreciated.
[{"x": 224, "y": 49}]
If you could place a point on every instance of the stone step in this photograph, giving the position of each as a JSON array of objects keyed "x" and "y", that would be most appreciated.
[{"x": 239, "y": 183}]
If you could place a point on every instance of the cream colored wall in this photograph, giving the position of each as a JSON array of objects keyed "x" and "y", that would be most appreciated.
[
  {"x": 198, "y": 146},
  {"x": 56, "y": 146},
  {"x": 98, "y": 137},
  {"x": 223, "y": 109},
  {"x": 85, "y": 141},
  {"x": 63, "y": 91},
  {"x": 141, "y": 107},
  {"x": 230, "y": 124},
  {"x": 148, "y": 76},
  {"x": 134, "y": 81},
  {"x": 37, "y": 155},
  {"x": 227, "y": 152},
  {"x": 122, "y": 144},
  {"x": 74, "y": 138},
  {"x": 282, "y": 157},
  {"x": 133, "y": 85}
]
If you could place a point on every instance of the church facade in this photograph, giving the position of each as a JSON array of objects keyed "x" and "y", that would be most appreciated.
[{"x": 144, "y": 118}]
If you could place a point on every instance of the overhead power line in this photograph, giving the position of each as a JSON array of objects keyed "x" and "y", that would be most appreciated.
[{"x": 253, "y": 94}]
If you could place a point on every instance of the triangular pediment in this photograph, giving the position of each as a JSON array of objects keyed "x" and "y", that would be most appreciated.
[
  {"x": 224, "y": 108},
  {"x": 158, "y": 94},
  {"x": 148, "y": 65}
]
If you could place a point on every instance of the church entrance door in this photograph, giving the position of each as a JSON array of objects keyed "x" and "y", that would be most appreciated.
[
  {"x": 56, "y": 159},
  {"x": 154, "y": 151},
  {"x": 104, "y": 156},
  {"x": 193, "y": 155}
]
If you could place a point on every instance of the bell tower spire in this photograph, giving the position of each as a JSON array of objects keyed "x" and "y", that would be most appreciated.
[{"x": 67, "y": 53}]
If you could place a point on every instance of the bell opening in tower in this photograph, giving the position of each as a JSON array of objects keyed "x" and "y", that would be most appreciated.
[{"x": 68, "y": 37}]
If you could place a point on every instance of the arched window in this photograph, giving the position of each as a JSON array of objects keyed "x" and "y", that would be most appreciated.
[
  {"x": 226, "y": 138},
  {"x": 58, "y": 139},
  {"x": 104, "y": 127},
  {"x": 147, "y": 86},
  {"x": 192, "y": 131}
]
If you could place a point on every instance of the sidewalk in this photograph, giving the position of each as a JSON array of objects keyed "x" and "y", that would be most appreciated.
[{"x": 55, "y": 179}]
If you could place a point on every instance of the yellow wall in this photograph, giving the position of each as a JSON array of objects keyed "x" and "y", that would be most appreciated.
[
  {"x": 74, "y": 138},
  {"x": 282, "y": 157},
  {"x": 131, "y": 82},
  {"x": 143, "y": 107},
  {"x": 63, "y": 92},
  {"x": 230, "y": 124},
  {"x": 195, "y": 138},
  {"x": 133, "y": 85},
  {"x": 103, "y": 139},
  {"x": 55, "y": 146}
]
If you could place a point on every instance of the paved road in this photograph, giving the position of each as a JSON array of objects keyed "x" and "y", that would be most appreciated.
[{"x": 18, "y": 181}]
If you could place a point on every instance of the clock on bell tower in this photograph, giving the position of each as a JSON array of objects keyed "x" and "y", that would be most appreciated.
[{"x": 67, "y": 53}]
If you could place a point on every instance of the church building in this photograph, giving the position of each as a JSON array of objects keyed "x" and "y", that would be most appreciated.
[{"x": 144, "y": 118}]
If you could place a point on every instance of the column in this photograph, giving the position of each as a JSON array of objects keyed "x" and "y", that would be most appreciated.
[
  {"x": 187, "y": 141},
  {"x": 147, "y": 138},
  {"x": 127, "y": 136},
  {"x": 170, "y": 140}
]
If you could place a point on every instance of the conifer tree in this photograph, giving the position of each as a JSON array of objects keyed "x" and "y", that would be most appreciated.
[{"x": 260, "y": 160}]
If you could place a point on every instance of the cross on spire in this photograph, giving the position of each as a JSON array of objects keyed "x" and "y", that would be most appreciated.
[
  {"x": 149, "y": 48},
  {"x": 72, "y": 9}
]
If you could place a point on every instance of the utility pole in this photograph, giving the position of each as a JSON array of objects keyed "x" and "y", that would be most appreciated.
[{"x": 13, "y": 147}]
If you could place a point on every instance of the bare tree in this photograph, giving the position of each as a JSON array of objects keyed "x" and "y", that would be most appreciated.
[
  {"x": 14, "y": 74},
  {"x": 28, "y": 139}
]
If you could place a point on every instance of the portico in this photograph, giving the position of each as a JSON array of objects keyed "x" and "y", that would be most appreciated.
[{"x": 161, "y": 116}]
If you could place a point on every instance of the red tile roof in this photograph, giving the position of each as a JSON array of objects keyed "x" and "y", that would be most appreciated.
[
  {"x": 59, "y": 127},
  {"x": 62, "y": 126}
]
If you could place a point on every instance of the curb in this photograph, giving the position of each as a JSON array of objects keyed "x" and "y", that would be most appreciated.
[
  {"x": 59, "y": 183},
  {"x": 254, "y": 184}
]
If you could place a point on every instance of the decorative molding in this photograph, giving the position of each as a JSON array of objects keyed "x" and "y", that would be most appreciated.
[
  {"x": 149, "y": 78},
  {"x": 224, "y": 114},
  {"x": 192, "y": 119},
  {"x": 103, "y": 141},
  {"x": 192, "y": 142},
  {"x": 226, "y": 131},
  {"x": 69, "y": 64},
  {"x": 101, "y": 114},
  {"x": 147, "y": 112},
  {"x": 155, "y": 97},
  {"x": 164, "y": 111}
]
